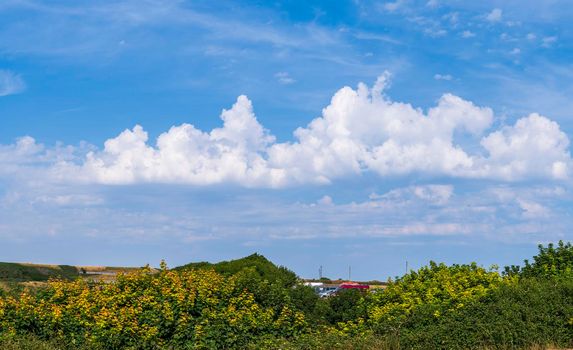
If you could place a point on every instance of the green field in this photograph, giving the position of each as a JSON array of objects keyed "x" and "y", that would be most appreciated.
[
  {"x": 37, "y": 275},
  {"x": 20, "y": 272}
]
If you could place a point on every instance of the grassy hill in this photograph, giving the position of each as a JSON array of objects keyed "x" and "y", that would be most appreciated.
[
  {"x": 19, "y": 272},
  {"x": 264, "y": 267},
  {"x": 25, "y": 272}
]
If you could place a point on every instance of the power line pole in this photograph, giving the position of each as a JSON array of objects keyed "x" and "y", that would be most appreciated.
[
  {"x": 320, "y": 272},
  {"x": 406, "y": 267},
  {"x": 349, "y": 273}
]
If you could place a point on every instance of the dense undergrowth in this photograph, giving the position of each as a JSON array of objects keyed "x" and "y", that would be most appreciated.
[{"x": 252, "y": 304}]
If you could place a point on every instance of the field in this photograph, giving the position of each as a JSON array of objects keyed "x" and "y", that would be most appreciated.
[
  {"x": 251, "y": 303},
  {"x": 28, "y": 273}
]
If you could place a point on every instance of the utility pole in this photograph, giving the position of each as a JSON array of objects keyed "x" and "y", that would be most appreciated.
[
  {"x": 406, "y": 267},
  {"x": 320, "y": 272},
  {"x": 349, "y": 273}
]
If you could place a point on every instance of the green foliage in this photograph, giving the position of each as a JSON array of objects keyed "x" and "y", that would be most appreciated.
[
  {"x": 190, "y": 309},
  {"x": 305, "y": 300},
  {"x": 348, "y": 305},
  {"x": 263, "y": 267},
  {"x": 549, "y": 262},
  {"x": 272, "y": 286},
  {"x": 514, "y": 315},
  {"x": 253, "y": 304},
  {"x": 314, "y": 341},
  {"x": 28, "y": 272},
  {"x": 327, "y": 341},
  {"x": 267, "y": 293},
  {"x": 438, "y": 288},
  {"x": 27, "y": 342}
]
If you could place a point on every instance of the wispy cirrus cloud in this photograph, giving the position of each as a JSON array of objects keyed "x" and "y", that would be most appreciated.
[
  {"x": 499, "y": 213},
  {"x": 446, "y": 77},
  {"x": 284, "y": 78},
  {"x": 113, "y": 28},
  {"x": 11, "y": 83}
]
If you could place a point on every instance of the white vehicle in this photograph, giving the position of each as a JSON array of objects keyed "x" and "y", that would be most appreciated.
[{"x": 327, "y": 292}]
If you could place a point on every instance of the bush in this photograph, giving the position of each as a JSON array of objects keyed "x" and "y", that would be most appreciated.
[
  {"x": 549, "y": 262},
  {"x": 436, "y": 307},
  {"x": 191, "y": 309},
  {"x": 437, "y": 289},
  {"x": 265, "y": 269},
  {"x": 347, "y": 305},
  {"x": 515, "y": 315},
  {"x": 326, "y": 341}
]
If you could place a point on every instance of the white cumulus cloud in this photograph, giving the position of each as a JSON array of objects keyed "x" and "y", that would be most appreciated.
[
  {"x": 184, "y": 154},
  {"x": 495, "y": 15},
  {"x": 361, "y": 131},
  {"x": 535, "y": 145}
]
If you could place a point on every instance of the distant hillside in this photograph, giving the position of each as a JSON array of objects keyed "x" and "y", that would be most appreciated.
[
  {"x": 265, "y": 268},
  {"x": 24, "y": 272},
  {"x": 33, "y": 272}
]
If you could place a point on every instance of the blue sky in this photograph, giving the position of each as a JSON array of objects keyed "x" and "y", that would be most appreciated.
[{"x": 342, "y": 133}]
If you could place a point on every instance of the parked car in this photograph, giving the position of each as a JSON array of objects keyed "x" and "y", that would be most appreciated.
[{"x": 327, "y": 292}]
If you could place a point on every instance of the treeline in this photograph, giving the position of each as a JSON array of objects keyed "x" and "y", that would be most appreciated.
[{"x": 253, "y": 304}]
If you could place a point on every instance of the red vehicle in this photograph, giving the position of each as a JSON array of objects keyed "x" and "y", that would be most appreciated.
[{"x": 351, "y": 285}]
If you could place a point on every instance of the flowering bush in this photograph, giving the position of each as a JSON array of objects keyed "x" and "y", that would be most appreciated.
[
  {"x": 438, "y": 287},
  {"x": 250, "y": 305},
  {"x": 190, "y": 309}
]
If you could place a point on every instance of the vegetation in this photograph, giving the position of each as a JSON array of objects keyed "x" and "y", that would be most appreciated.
[
  {"x": 550, "y": 262},
  {"x": 14, "y": 273},
  {"x": 437, "y": 289},
  {"x": 33, "y": 272},
  {"x": 258, "y": 264},
  {"x": 252, "y": 304}
]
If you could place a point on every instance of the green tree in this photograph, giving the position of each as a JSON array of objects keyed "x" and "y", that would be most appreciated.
[
  {"x": 347, "y": 305},
  {"x": 550, "y": 261}
]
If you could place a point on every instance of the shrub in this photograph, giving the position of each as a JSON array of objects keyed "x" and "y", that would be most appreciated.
[
  {"x": 437, "y": 288},
  {"x": 265, "y": 269},
  {"x": 514, "y": 315},
  {"x": 190, "y": 309},
  {"x": 549, "y": 262},
  {"x": 436, "y": 307}
]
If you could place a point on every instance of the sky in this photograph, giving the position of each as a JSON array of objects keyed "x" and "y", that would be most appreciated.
[{"x": 361, "y": 134}]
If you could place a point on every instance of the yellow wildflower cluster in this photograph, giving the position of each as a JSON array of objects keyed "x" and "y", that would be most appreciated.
[
  {"x": 187, "y": 309},
  {"x": 436, "y": 287}
]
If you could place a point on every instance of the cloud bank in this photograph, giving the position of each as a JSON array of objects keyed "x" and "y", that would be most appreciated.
[{"x": 361, "y": 131}]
